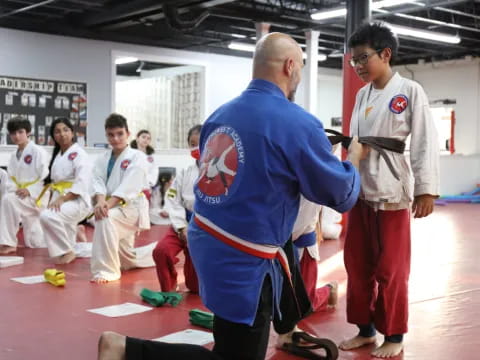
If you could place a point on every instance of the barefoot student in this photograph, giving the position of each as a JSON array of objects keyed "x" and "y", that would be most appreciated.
[
  {"x": 69, "y": 182},
  {"x": 27, "y": 168},
  {"x": 121, "y": 208},
  {"x": 377, "y": 245}
]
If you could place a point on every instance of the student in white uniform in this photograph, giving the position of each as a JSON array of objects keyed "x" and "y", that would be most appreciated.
[
  {"x": 378, "y": 245},
  {"x": 121, "y": 208},
  {"x": 69, "y": 181},
  {"x": 143, "y": 143},
  {"x": 304, "y": 238},
  {"x": 179, "y": 204},
  {"x": 27, "y": 168}
]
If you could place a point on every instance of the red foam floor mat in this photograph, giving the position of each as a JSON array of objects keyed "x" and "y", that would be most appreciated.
[{"x": 44, "y": 322}]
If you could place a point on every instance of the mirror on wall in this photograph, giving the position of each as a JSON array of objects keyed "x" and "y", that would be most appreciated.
[{"x": 165, "y": 99}]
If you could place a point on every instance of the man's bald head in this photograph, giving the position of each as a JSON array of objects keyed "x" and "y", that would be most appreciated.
[
  {"x": 278, "y": 59},
  {"x": 274, "y": 48}
]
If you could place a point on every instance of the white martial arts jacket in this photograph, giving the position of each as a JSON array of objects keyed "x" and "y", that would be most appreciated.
[
  {"x": 152, "y": 176},
  {"x": 306, "y": 222},
  {"x": 397, "y": 111},
  {"x": 126, "y": 181},
  {"x": 31, "y": 167},
  {"x": 179, "y": 197},
  {"x": 3, "y": 182},
  {"x": 73, "y": 166}
]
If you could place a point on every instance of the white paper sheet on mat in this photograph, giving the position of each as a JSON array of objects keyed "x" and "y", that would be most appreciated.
[
  {"x": 83, "y": 249},
  {"x": 29, "y": 280},
  {"x": 6, "y": 261},
  {"x": 120, "y": 310},
  {"x": 188, "y": 336}
]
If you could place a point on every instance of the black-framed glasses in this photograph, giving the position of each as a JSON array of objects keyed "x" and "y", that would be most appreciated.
[{"x": 363, "y": 59}]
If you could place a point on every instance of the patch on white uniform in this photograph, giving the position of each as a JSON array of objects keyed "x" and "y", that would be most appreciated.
[{"x": 398, "y": 104}]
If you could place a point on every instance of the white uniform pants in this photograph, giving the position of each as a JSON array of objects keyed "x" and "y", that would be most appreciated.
[
  {"x": 113, "y": 241},
  {"x": 60, "y": 227},
  {"x": 15, "y": 211}
]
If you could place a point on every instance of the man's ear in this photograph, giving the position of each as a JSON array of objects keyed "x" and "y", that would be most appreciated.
[{"x": 288, "y": 66}]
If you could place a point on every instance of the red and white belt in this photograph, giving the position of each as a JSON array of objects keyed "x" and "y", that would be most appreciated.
[{"x": 258, "y": 250}]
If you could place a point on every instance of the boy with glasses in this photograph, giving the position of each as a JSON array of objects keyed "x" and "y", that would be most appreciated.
[{"x": 377, "y": 246}]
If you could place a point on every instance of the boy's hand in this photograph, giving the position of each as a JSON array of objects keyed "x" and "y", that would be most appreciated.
[
  {"x": 22, "y": 193},
  {"x": 182, "y": 234},
  {"x": 423, "y": 205},
  {"x": 101, "y": 210},
  {"x": 57, "y": 204}
]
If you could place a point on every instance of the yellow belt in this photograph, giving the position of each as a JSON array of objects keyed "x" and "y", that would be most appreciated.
[
  {"x": 59, "y": 187},
  {"x": 25, "y": 184}
]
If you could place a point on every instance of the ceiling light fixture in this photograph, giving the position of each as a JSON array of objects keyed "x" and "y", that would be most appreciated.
[
  {"x": 125, "y": 60},
  {"x": 321, "y": 57},
  {"x": 238, "y": 36},
  {"x": 330, "y": 14},
  {"x": 424, "y": 34},
  {"x": 241, "y": 46},
  {"x": 234, "y": 45}
]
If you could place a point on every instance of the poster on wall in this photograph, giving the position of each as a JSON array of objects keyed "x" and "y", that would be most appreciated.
[{"x": 41, "y": 102}]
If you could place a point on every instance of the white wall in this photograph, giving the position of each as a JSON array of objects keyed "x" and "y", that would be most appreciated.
[
  {"x": 26, "y": 54},
  {"x": 459, "y": 173},
  {"x": 330, "y": 92},
  {"x": 329, "y": 95}
]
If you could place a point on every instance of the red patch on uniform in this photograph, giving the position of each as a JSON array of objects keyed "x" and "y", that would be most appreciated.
[
  {"x": 150, "y": 159},
  {"x": 398, "y": 104},
  {"x": 72, "y": 156},
  {"x": 124, "y": 164},
  {"x": 218, "y": 166},
  {"x": 28, "y": 159}
]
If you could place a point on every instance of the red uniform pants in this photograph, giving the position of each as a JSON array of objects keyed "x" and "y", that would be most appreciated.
[
  {"x": 165, "y": 257},
  {"x": 377, "y": 259},
  {"x": 308, "y": 268}
]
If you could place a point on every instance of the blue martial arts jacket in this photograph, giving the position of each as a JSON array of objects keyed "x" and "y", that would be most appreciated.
[{"x": 259, "y": 152}]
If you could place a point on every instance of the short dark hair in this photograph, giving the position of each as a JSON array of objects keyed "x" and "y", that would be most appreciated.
[
  {"x": 17, "y": 123},
  {"x": 376, "y": 35},
  {"x": 194, "y": 130},
  {"x": 116, "y": 121}
]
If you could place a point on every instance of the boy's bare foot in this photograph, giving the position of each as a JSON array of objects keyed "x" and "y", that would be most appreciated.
[
  {"x": 111, "y": 346},
  {"x": 65, "y": 258},
  {"x": 333, "y": 295},
  {"x": 5, "y": 249},
  {"x": 356, "y": 342},
  {"x": 388, "y": 349}
]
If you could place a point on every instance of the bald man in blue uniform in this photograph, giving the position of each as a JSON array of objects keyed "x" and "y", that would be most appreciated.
[{"x": 259, "y": 152}]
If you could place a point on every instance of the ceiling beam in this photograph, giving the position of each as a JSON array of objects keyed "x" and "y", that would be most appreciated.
[{"x": 26, "y": 8}]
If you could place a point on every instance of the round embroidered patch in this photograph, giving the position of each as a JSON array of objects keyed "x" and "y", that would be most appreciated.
[
  {"x": 124, "y": 164},
  {"x": 398, "y": 104},
  {"x": 72, "y": 156},
  {"x": 221, "y": 163},
  {"x": 28, "y": 159},
  {"x": 150, "y": 159}
]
